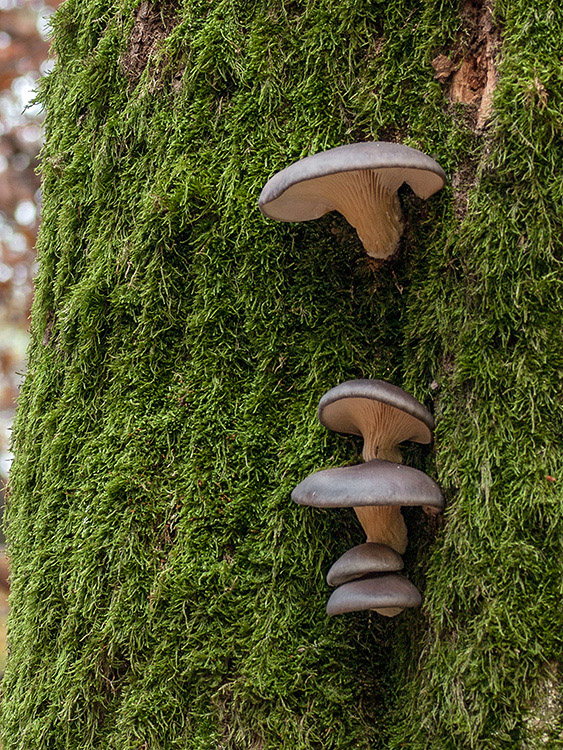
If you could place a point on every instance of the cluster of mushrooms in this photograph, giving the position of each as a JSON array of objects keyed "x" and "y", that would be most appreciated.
[
  {"x": 361, "y": 181},
  {"x": 384, "y": 415}
]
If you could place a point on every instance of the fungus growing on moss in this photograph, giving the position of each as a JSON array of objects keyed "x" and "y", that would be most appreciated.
[
  {"x": 360, "y": 181},
  {"x": 386, "y": 594},
  {"x": 384, "y": 415},
  {"x": 364, "y": 560},
  {"x": 376, "y": 484}
]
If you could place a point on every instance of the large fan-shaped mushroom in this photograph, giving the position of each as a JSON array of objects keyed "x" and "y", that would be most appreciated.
[
  {"x": 376, "y": 490},
  {"x": 361, "y": 182}
]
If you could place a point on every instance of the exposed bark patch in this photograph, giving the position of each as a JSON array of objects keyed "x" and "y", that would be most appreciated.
[
  {"x": 48, "y": 328},
  {"x": 542, "y": 721},
  {"x": 470, "y": 72},
  {"x": 153, "y": 23}
]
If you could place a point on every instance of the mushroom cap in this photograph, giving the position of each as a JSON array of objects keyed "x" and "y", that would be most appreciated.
[
  {"x": 340, "y": 408},
  {"x": 362, "y": 560},
  {"x": 378, "y": 592},
  {"x": 376, "y": 482},
  {"x": 291, "y": 194}
]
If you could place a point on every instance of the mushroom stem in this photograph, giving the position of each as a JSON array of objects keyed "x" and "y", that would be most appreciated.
[
  {"x": 373, "y": 210},
  {"x": 389, "y": 611},
  {"x": 385, "y": 452},
  {"x": 383, "y": 523}
]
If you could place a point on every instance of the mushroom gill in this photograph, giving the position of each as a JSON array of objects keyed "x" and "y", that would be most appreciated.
[
  {"x": 384, "y": 415},
  {"x": 360, "y": 181}
]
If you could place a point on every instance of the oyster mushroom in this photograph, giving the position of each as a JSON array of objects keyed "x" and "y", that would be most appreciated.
[
  {"x": 377, "y": 485},
  {"x": 387, "y": 594},
  {"x": 364, "y": 560},
  {"x": 360, "y": 181},
  {"x": 384, "y": 415}
]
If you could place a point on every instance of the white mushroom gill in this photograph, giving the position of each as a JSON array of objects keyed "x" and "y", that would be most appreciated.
[{"x": 383, "y": 427}]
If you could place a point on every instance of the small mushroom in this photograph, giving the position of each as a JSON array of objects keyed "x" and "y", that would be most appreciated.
[
  {"x": 384, "y": 415},
  {"x": 386, "y": 594},
  {"x": 360, "y": 181},
  {"x": 364, "y": 560},
  {"x": 375, "y": 485}
]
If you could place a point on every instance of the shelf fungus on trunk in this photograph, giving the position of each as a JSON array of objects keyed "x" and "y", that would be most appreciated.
[
  {"x": 387, "y": 594},
  {"x": 364, "y": 560},
  {"x": 360, "y": 181},
  {"x": 376, "y": 490},
  {"x": 384, "y": 415}
]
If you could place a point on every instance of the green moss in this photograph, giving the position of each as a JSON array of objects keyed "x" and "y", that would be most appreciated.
[{"x": 166, "y": 593}]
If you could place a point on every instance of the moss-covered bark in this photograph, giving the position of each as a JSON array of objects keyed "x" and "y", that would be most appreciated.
[{"x": 166, "y": 593}]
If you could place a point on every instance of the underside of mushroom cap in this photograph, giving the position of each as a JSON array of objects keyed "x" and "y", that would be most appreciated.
[
  {"x": 399, "y": 163},
  {"x": 387, "y": 592},
  {"x": 360, "y": 181},
  {"x": 375, "y": 482},
  {"x": 358, "y": 406},
  {"x": 364, "y": 560}
]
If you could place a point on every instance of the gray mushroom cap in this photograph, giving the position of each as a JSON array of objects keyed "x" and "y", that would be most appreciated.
[
  {"x": 362, "y": 560},
  {"x": 376, "y": 482},
  {"x": 338, "y": 409},
  {"x": 379, "y": 592},
  {"x": 292, "y": 193}
]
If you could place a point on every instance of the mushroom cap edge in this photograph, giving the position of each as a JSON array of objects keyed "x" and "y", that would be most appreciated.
[
  {"x": 374, "y": 390},
  {"x": 348, "y": 158},
  {"x": 363, "y": 560},
  {"x": 377, "y": 592},
  {"x": 375, "y": 482}
]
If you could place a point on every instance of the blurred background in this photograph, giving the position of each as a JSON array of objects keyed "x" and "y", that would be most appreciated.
[{"x": 24, "y": 57}]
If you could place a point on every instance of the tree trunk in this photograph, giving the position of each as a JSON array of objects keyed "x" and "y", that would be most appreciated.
[{"x": 166, "y": 592}]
